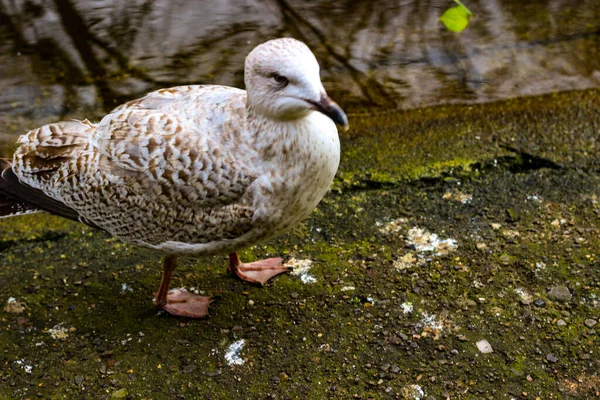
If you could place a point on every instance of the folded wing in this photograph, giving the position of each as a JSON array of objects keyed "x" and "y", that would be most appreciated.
[{"x": 144, "y": 174}]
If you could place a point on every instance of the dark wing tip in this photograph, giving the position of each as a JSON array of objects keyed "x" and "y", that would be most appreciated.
[{"x": 27, "y": 198}]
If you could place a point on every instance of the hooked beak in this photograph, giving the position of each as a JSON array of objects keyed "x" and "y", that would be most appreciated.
[{"x": 330, "y": 108}]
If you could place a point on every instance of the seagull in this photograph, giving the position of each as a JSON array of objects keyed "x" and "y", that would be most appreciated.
[{"x": 191, "y": 170}]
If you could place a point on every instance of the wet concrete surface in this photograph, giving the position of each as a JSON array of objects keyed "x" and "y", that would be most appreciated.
[{"x": 476, "y": 228}]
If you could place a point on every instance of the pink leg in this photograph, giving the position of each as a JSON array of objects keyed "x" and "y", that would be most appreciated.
[
  {"x": 179, "y": 302},
  {"x": 258, "y": 272}
]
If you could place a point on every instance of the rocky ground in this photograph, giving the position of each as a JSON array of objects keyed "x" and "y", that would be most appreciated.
[{"x": 457, "y": 256}]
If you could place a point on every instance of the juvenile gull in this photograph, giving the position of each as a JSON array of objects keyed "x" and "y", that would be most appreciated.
[{"x": 192, "y": 169}]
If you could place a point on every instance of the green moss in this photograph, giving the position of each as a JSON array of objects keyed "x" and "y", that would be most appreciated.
[
  {"x": 325, "y": 340},
  {"x": 406, "y": 145}
]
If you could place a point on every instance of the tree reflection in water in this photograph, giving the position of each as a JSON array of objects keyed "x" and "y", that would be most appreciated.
[{"x": 61, "y": 57}]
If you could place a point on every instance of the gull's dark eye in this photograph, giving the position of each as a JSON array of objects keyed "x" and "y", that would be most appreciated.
[{"x": 282, "y": 80}]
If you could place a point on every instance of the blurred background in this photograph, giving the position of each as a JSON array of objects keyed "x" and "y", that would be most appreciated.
[{"x": 65, "y": 58}]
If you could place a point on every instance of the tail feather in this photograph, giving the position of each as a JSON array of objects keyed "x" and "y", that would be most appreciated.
[
  {"x": 17, "y": 198},
  {"x": 10, "y": 207}
]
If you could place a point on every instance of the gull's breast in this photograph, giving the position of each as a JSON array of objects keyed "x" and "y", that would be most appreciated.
[{"x": 300, "y": 177}]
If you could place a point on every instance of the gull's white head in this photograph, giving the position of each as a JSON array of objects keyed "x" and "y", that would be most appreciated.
[{"x": 283, "y": 83}]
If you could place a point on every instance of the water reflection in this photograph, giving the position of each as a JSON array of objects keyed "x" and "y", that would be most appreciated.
[{"x": 65, "y": 57}]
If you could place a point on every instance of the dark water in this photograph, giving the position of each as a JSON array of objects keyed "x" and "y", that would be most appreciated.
[{"x": 63, "y": 58}]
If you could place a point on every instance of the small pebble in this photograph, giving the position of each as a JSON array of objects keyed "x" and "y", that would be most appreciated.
[
  {"x": 560, "y": 293},
  {"x": 189, "y": 368},
  {"x": 561, "y": 322},
  {"x": 590, "y": 323},
  {"x": 539, "y": 303},
  {"x": 79, "y": 379},
  {"x": 294, "y": 295},
  {"x": 454, "y": 352},
  {"x": 550, "y": 357}
]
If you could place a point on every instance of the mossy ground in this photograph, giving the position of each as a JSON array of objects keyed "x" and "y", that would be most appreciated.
[{"x": 530, "y": 166}]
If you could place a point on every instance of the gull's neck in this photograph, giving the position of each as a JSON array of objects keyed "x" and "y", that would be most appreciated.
[{"x": 278, "y": 140}]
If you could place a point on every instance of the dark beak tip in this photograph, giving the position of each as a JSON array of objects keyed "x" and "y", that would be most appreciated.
[
  {"x": 333, "y": 111},
  {"x": 341, "y": 119},
  {"x": 345, "y": 125}
]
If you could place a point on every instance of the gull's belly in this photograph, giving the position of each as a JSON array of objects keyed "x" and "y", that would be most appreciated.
[{"x": 301, "y": 187}]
